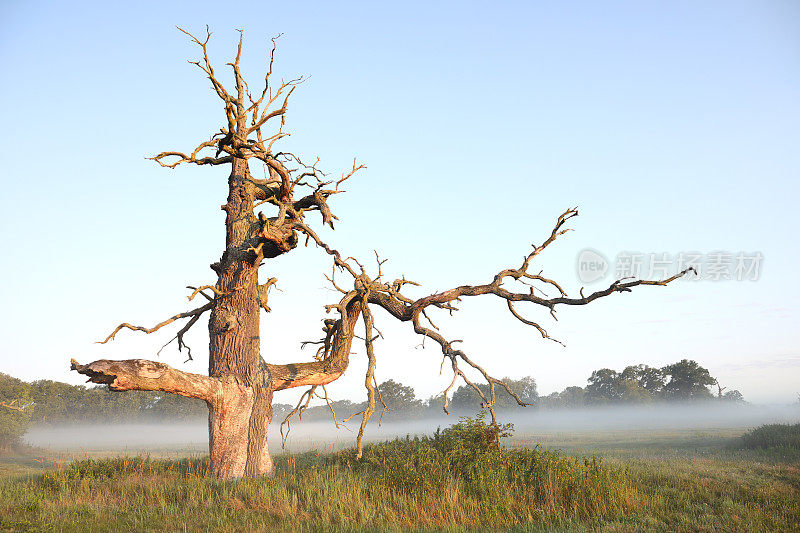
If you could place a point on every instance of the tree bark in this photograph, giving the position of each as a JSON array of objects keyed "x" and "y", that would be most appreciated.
[
  {"x": 238, "y": 420},
  {"x": 237, "y": 430}
]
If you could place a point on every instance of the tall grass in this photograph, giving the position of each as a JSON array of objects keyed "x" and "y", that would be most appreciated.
[
  {"x": 505, "y": 485},
  {"x": 453, "y": 480},
  {"x": 449, "y": 480}
]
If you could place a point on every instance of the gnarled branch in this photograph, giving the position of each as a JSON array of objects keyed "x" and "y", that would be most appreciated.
[
  {"x": 369, "y": 379},
  {"x": 333, "y": 364}
]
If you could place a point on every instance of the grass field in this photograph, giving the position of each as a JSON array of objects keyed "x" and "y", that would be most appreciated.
[{"x": 667, "y": 480}]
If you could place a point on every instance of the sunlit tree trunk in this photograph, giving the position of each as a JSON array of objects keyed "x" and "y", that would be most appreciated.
[{"x": 238, "y": 420}]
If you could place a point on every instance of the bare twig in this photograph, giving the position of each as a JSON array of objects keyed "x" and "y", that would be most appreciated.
[{"x": 193, "y": 313}]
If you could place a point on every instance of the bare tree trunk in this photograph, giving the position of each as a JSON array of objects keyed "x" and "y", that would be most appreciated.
[
  {"x": 237, "y": 427},
  {"x": 238, "y": 421}
]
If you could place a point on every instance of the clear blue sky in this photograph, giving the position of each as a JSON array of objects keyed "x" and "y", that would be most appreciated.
[{"x": 673, "y": 125}]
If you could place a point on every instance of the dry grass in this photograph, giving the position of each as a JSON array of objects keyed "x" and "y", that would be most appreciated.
[{"x": 421, "y": 484}]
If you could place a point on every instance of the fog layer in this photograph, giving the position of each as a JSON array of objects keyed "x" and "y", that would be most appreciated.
[{"x": 193, "y": 438}]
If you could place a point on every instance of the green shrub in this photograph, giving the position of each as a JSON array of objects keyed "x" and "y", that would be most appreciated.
[
  {"x": 15, "y": 410},
  {"x": 772, "y": 436},
  {"x": 468, "y": 455}
]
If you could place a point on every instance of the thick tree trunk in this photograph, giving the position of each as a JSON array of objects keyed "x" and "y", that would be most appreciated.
[
  {"x": 240, "y": 385},
  {"x": 238, "y": 420},
  {"x": 237, "y": 427}
]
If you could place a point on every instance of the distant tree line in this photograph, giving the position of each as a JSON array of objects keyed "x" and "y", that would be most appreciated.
[
  {"x": 681, "y": 382},
  {"x": 401, "y": 401},
  {"x": 684, "y": 381},
  {"x": 52, "y": 402},
  {"x": 59, "y": 403}
]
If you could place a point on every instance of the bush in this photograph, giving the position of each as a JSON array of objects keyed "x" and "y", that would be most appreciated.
[
  {"x": 772, "y": 436},
  {"x": 468, "y": 454}
]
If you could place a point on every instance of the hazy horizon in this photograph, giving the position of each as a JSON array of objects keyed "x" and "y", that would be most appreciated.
[{"x": 318, "y": 434}]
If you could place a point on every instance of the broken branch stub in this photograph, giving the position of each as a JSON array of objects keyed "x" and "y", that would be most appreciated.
[{"x": 141, "y": 374}]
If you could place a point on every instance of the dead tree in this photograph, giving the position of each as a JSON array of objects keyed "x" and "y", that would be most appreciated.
[
  {"x": 240, "y": 384},
  {"x": 720, "y": 388}
]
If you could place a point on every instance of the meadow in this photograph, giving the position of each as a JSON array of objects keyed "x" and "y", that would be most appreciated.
[{"x": 594, "y": 480}]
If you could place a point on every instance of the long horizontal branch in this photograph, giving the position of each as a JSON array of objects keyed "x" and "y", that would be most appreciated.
[
  {"x": 411, "y": 311},
  {"x": 406, "y": 310},
  {"x": 141, "y": 374}
]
